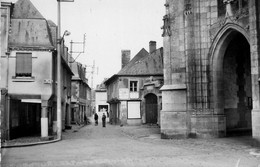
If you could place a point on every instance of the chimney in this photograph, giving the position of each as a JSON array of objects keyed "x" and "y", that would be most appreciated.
[
  {"x": 152, "y": 46},
  {"x": 125, "y": 57}
]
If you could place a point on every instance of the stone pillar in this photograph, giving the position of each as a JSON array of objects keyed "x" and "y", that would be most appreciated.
[
  {"x": 123, "y": 112},
  {"x": 54, "y": 123},
  {"x": 173, "y": 115},
  {"x": 5, "y": 115},
  {"x": 44, "y": 120},
  {"x": 254, "y": 16},
  {"x": 68, "y": 115},
  {"x": 8, "y": 115},
  {"x": 63, "y": 107}
]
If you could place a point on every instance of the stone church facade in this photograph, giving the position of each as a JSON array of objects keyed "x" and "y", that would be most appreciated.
[{"x": 211, "y": 68}]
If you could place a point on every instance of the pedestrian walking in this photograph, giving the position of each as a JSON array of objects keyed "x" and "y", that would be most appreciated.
[
  {"x": 96, "y": 118},
  {"x": 104, "y": 120}
]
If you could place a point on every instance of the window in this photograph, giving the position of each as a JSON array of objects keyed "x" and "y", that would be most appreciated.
[
  {"x": 134, "y": 109},
  {"x": 133, "y": 86},
  {"x": 23, "y": 64}
]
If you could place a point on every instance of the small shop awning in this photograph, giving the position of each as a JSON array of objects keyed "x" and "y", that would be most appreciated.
[{"x": 31, "y": 100}]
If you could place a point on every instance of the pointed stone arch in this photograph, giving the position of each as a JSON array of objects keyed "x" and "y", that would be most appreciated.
[
  {"x": 216, "y": 56},
  {"x": 217, "y": 53}
]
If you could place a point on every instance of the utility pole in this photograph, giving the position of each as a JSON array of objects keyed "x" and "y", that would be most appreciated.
[
  {"x": 59, "y": 113},
  {"x": 93, "y": 71},
  {"x": 59, "y": 39}
]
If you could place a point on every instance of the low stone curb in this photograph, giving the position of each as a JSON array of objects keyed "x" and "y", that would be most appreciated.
[{"x": 30, "y": 144}]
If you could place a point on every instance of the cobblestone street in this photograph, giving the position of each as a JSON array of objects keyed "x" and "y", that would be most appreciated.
[{"x": 132, "y": 146}]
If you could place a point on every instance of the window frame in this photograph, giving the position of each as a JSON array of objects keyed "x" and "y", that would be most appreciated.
[{"x": 133, "y": 87}]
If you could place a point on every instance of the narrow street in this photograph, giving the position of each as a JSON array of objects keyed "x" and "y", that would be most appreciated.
[{"x": 116, "y": 146}]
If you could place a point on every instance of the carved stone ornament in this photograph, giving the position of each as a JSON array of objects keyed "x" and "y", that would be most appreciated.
[
  {"x": 241, "y": 18},
  {"x": 228, "y": 7},
  {"x": 166, "y": 26},
  {"x": 187, "y": 10}
]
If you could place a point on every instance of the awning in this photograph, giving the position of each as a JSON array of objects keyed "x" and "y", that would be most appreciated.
[
  {"x": 24, "y": 96},
  {"x": 31, "y": 101}
]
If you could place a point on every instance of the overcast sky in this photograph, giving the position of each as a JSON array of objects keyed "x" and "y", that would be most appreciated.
[{"x": 110, "y": 26}]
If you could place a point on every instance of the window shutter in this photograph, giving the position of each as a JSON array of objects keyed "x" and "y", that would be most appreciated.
[{"x": 23, "y": 64}]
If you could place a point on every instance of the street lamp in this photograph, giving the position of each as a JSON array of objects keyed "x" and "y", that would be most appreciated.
[
  {"x": 59, "y": 40},
  {"x": 66, "y": 33}
]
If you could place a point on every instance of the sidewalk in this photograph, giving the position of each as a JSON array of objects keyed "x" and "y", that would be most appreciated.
[{"x": 36, "y": 140}]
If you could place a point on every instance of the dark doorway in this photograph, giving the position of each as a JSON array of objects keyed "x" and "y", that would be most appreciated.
[
  {"x": 151, "y": 108},
  {"x": 24, "y": 119},
  {"x": 237, "y": 87}
]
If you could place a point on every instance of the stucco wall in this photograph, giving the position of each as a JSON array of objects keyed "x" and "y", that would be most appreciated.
[{"x": 41, "y": 70}]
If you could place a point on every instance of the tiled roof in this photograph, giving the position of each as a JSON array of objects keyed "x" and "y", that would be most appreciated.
[
  {"x": 29, "y": 28},
  {"x": 24, "y": 9},
  {"x": 144, "y": 64}
]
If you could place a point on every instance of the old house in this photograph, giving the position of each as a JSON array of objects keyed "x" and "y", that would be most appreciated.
[
  {"x": 133, "y": 93},
  {"x": 28, "y": 74},
  {"x": 101, "y": 105},
  {"x": 211, "y": 68},
  {"x": 80, "y": 105}
]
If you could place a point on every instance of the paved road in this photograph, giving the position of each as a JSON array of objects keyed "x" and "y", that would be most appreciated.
[{"x": 114, "y": 146}]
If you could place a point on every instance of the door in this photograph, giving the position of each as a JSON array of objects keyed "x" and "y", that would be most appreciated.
[{"x": 151, "y": 108}]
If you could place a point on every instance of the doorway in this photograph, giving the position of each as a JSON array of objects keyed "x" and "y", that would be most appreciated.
[
  {"x": 151, "y": 108},
  {"x": 237, "y": 86}
]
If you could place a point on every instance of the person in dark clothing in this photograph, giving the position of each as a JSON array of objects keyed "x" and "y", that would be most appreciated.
[
  {"x": 107, "y": 114},
  {"x": 104, "y": 120},
  {"x": 96, "y": 119}
]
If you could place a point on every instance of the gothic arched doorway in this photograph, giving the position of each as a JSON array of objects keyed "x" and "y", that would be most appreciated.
[
  {"x": 232, "y": 85},
  {"x": 151, "y": 108},
  {"x": 237, "y": 86}
]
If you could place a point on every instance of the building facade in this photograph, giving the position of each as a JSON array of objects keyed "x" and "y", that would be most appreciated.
[
  {"x": 80, "y": 104},
  {"x": 211, "y": 68},
  {"x": 28, "y": 73},
  {"x": 101, "y": 105},
  {"x": 133, "y": 93}
]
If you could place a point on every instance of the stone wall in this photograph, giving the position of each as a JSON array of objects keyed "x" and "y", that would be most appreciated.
[
  {"x": 254, "y": 15},
  {"x": 196, "y": 36},
  {"x": 173, "y": 113}
]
